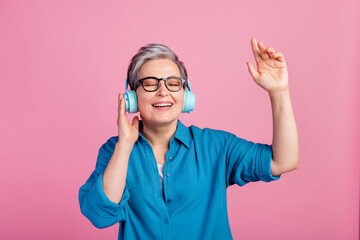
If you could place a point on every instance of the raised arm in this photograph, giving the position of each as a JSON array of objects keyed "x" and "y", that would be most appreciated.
[
  {"x": 272, "y": 75},
  {"x": 103, "y": 198},
  {"x": 115, "y": 173}
]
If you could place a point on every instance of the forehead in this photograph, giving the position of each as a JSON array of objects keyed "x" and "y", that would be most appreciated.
[{"x": 160, "y": 68}]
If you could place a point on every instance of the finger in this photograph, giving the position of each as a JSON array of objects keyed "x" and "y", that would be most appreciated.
[
  {"x": 280, "y": 57},
  {"x": 122, "y": 105},
  {"x": 252, "y": 70},
  {"x": 255, "y": 49},
  {"x": 119, "y": 103},
  {"x": 135, "y": 122},
  {"x": 263, "y": 53},
  {"x": 272, "y": 53}
]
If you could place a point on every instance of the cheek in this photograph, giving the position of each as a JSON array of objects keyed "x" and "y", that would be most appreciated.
[
  {"x": 141, "y": 103},
  {"x": 180, "y": 98},
  {"x": 179, "y": 102}
]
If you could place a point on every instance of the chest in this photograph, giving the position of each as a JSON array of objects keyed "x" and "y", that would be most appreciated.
[
  {"x": 160, "y": 154},
  {"x": 190, "y": 176}
]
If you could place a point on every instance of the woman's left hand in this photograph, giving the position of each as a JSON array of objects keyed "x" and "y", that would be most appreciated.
[{"x": 271, "y": 73}]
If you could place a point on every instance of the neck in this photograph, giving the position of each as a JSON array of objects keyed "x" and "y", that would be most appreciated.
[{"x": 158, "y": 135}]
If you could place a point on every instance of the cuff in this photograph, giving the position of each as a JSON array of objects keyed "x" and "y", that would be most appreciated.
[
  {"x": 264, "y": 164},
  {"x": 101, "y": 204}
]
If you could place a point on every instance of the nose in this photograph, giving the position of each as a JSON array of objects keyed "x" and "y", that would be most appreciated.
[{"x": 162, "y": 91}]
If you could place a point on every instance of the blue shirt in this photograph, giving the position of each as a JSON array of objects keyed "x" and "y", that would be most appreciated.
[{"x": 200, "y": 165}]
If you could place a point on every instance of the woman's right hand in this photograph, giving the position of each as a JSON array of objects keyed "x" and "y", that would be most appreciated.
[{"x": 128, "y": 133}]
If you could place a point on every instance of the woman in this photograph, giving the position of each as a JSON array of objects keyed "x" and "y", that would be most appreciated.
[{"x": 162, "y": 180}]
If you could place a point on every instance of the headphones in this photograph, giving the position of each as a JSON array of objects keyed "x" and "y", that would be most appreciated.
[{"x": 131, "y": 105}]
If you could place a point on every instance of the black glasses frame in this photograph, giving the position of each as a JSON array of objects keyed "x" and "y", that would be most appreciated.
[{"x": 141, "y": 81}]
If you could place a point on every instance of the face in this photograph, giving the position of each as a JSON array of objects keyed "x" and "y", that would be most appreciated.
[{"x": 148, "y": 102}]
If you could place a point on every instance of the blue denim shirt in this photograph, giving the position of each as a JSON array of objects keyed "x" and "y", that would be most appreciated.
[{"x": 200, "y": 165}]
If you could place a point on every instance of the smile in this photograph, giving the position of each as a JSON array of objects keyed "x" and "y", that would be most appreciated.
[{"x": 162, "y": 105}]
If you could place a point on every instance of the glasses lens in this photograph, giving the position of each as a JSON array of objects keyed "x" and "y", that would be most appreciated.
[
  {"x": 150, "y": 84},
  {"x": 174, "y": 84}
]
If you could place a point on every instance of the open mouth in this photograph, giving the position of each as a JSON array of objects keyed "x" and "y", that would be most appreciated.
[{"x": 162, "y": 105}]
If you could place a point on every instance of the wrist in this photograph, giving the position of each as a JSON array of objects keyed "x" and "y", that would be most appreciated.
[
  {"x": 279, "y": 94},
  {"x": 122, "y": 143}
]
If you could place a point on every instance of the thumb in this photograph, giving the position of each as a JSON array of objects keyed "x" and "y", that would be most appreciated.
[
  {"x": 252, "y": 70},
  {"x": 135, "y": 122}
]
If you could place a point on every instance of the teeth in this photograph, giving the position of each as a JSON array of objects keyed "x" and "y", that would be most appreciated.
[{"x": 163, "y": 105}]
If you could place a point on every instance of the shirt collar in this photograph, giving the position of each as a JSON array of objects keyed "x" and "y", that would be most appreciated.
[{"x": 182, "y": 133}]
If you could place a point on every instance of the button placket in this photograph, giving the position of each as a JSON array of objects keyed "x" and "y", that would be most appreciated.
[
  {"x": 168, "y": 184},
  {"x": 158, "y": 191}
]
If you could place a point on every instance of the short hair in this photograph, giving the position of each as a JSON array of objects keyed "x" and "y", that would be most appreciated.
[{"x": 152, "y": 51}]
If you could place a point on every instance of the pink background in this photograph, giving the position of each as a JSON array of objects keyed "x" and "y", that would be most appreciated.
[{"x": 62, "y": 64}]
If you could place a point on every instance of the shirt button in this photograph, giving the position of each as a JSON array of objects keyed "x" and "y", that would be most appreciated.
[
  {"x": 170, "y": 158},
  {"x": 166, "y": 221},
  {"x": 168, "y": 174}
]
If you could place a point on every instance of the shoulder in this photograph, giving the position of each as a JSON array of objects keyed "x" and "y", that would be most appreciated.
[
  {"x": 105, "y": 152},
  {"x": 210, "y": 134},
  {"x": 109, "y": 146}
]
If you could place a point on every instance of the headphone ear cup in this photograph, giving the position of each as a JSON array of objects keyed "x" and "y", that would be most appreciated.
[
  {"x": 189, "y": 102},
  {"x": 131, "y": 102}
]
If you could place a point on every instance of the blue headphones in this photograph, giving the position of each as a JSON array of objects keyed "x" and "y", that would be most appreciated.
[{"x": 131, "y": 105}]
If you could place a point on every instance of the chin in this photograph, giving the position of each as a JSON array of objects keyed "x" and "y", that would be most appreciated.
[{"x": 158, "y": 121}]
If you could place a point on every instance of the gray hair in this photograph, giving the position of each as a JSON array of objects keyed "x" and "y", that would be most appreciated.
[{"x": 149, "y": 52}]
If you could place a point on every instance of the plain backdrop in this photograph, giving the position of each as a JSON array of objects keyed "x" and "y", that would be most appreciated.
[{"x": 63, "y": 63}]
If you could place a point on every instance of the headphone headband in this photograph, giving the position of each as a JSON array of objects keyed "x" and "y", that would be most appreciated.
[
  {"x": 126, "y": 83},
  {"x": 188, "y": 85}
]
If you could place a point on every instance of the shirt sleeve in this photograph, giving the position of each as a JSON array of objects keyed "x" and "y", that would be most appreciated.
[
  {"x": 248, "y": 162},
  {"x": 94, "y": 203}
]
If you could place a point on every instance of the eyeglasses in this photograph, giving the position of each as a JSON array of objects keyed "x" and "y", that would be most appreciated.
[{"x": 152, "y": 84}]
